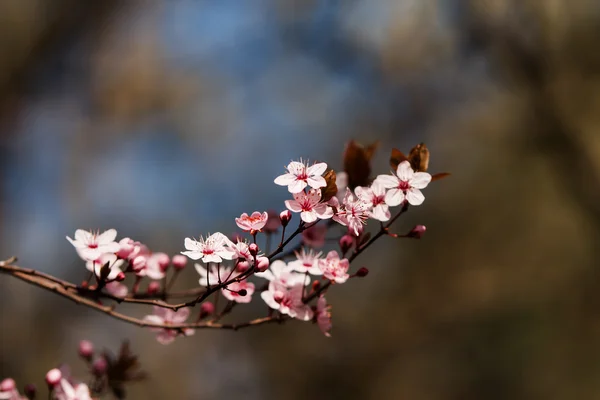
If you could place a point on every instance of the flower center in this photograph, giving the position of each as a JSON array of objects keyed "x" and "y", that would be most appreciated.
[
  {"x": 378, "y": 200},
  {"x": 208, "y": 251},
  {"x": 93, "y": 245},
  {"x": 403, "y": 185}
]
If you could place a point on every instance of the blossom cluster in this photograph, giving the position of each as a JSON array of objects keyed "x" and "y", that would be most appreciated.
[{"x": 225, "y": 265}]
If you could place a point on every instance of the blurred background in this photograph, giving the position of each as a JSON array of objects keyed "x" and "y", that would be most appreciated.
[{"x": 166, "y": 119}]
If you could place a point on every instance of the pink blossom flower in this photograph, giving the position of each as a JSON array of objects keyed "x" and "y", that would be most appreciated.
[
  {"x": 404, "y": 185},
  {"x": 67, "y": 391},
  {"x": 91, "y": 245},
  {"x": 284, "y": 274},
  {"x": 241, "y": 250},
  {"x": 287, "y": 300},
  {"x": 254, "y": 222},
  {"x": 333, "y": 268},
  {"x": 116, "y": 289},
  {"x": 352, "y": 213},
  {"x": 213, "y": 249},
  {"x": 232, "y": 291},
  {"x": 314, "y": 236},
  {"x": 114, "y": 265},
  {"x": 151, "y": 265},
  {"x": 375, "y": 197},
  {"x": 323, "y": 316},
  {"x": 307, "y": 261},
  {"x": 300, "y": 175},
  {"x": 309, "y": 206},
  {"x": 164, "y": 316}
]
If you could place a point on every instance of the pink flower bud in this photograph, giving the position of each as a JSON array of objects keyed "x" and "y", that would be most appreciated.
[
  {"x": 362, "y": 272},
  {"x": 243, "y": 266},
  {"x": 53, "y": 377},
  {"x": 120, "y": 277},
  {"x": 179, "y": 262},
  {"x": 30, "y": 391},
  {"x": 207, "y": 308},
  {"x": 99, "y": 366},
  {"x": 262, "y": 264},
  {"x": 163, "y": 261},
  {"x": 127, "y": 246},
  {"x": 8, "y": 385},
  {"x": 86, "y": 349},
  {"x": 316, "y": 285},
  {"x": 253, "y": 248},
  {"x": 346, "y": 243},
  {"x": 285, "y": 217},
  {"x": 153, "y": 287},
  {"x": 417, "y": 232}
]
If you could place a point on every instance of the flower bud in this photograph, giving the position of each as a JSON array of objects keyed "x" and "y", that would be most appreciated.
[
  {"x": 8, "y": 385},
  {"x": 346, "y": 243},
  {"x": 86, "y": 349},
  {"x": 262, "y": 264},
  {"x": 207, "y": 308},
  {"x": 285, "y": 217},
  {"x": 53, "y": 377},
  {"x": 30, "y": 391},
  {"x": 153, "y": 287},
  {"x": 242, "y": 292},
  {"x": 163, "y": 261},
  {"x": 362, "y": 272},
  {"x": 316, "y": 285},
  {"x": 179, "y": 262},
  {"x": 84, "y": 285},
  {"x": 243, "y": 266},
  {"x": 253, "y": 249},
  {"x": 99, "y": 366},
  {"x": 120, "y": 277},
  {"x": 127, "y": 246},
  {"x": 417, "y": 232}
]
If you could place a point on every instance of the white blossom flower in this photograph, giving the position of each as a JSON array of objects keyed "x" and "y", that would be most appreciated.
[
  {"x": 212, "y": 249},
  {"x": 300, "y": 175},
  {"x": 309, "y": 206},
  {"x": 404, "y": 185},
  {"x": 91, "y": 245},
  {"x": 375, "y": 197}
]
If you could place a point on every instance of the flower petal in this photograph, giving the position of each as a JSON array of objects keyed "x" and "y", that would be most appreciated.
[
  {"x": 308, "y": 216},
  {"x": 387, "y": 181},
  {"x": 394, "y": 197},
  {"x": 107, "y": 236},
  {"x": 316, "y": 182},
  {"x": 420, "y": 180},
  {"x": 297, "y": 186},
  {"x": 285, "y": 179},
  {"x": 404, "y": 171},
  {"x": 316, "y": 169},
  {"x": 415, "y": 197},
  {"x": 293, "y": 205}
]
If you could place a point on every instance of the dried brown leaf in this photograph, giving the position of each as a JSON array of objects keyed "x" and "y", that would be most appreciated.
[
  {"x": 357, "y": 163},
  {"x": 331, "y": 189}
]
